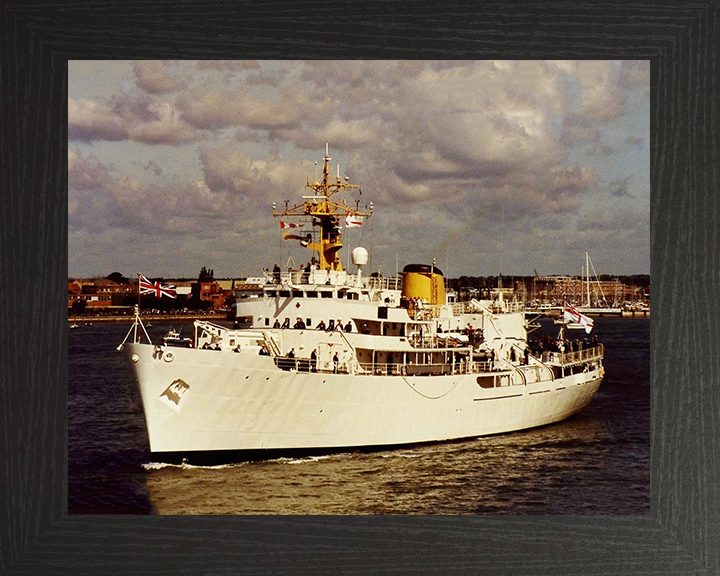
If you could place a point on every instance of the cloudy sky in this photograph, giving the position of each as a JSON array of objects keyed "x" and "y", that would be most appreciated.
[{"x": 483, "y": 165}]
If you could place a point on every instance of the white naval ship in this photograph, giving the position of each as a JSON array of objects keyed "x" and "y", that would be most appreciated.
[{"x": 327, "y": 359}]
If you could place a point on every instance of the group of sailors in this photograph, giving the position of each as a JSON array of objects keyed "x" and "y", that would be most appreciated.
[
  {"x": 307, "y": 270},
  {"x": 288, "y": 362},
  {"x": 333, "y": 326},
  {"x": 547, "y": 343}
]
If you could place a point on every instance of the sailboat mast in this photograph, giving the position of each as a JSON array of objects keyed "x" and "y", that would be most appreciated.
[
  {"x": 587, "y": 283},
  {"x": 502, "y": 242}
]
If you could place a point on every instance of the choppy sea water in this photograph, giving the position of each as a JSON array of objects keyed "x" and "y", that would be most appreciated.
[{"x": 597, "y": 462}]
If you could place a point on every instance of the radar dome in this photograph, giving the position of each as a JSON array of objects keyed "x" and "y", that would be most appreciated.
[{"x": 360, "y": 256}]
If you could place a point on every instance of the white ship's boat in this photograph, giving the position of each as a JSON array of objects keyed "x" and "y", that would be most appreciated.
[
  {"x": 408, "y": 366},
  {"x": 174, "y": 338}
]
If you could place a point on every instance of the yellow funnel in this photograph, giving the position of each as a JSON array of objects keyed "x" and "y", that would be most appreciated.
[{"x": 423, "y": 282}]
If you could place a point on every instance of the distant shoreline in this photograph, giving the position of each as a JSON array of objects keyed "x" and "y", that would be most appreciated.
[
  {"x": 145, "y": 318},
  {"x": 80, "y": 320}
]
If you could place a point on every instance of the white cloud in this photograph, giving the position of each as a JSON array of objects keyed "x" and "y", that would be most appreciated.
[
  {"x": 139, "y": 120},
  {"x": 602, "y": 93},
  {"x": 154, "y": 77},
  {"x": 208, "y": 108},
  {"x": 88, "y": 120},
  {"x": 85, "y": 173},
  {"x": 166, "y": 126}
]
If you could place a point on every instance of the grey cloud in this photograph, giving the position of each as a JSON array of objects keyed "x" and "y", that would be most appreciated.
[
  {"x": 141, "y": 119},
  {"x": 620, "y": 188},
  {"x": 85, "y": 173},
  {"x": 227, "y": 169},
  {"x": 635, "y": 142},
  {"x": 227, "y": 65},
  {"x": 613, "y": 220},
  {"x": 153, "y": 167},
  {"x": 206, "y": 108},
  {"x": 88, "y": 121},
  {"x": 154, "y": 77},
  {"x": 99, "y": 199},
  {"x": 580, "y": 129},
  {"x": 634, "y": 74},
  {"x": 603, "y": 93}
]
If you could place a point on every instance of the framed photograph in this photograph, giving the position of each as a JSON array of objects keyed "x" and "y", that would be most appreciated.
[{"x": 70, "y": 169}]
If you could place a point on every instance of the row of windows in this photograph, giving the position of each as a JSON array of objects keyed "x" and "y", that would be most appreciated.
[
  {"x": 92, "y": 298},
  {"x": 313, "y": 294},
  {"x": 397, "y": 328}
]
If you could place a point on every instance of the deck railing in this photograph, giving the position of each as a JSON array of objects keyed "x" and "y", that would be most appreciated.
[
  {"x": 578, "y": 357},
  {"x": 322, "y": 277},
  {"x": 385, "y": 368},
  {"x": 384, "y": 283},
  {"x": 496, "y": 307}
]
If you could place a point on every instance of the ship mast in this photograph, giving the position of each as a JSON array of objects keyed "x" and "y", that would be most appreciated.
[{"x": 324, "y": 216}]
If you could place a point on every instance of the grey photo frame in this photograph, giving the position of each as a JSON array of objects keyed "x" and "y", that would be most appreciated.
[{"x": 681, "y": 533}]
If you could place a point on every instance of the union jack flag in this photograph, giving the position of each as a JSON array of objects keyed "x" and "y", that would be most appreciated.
[{"x": 155, "y": 288}]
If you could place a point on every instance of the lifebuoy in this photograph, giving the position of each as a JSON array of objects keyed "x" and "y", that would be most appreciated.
[{"x": 168, "y": 356}]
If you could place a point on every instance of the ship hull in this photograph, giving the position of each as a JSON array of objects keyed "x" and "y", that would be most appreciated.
[{"x": 202, "y": 401}]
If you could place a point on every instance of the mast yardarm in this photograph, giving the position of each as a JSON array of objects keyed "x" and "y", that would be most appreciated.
[{"x": 324, "y": 217}]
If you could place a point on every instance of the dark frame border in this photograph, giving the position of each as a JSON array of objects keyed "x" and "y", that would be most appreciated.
[{"x": 681, "y": 533}]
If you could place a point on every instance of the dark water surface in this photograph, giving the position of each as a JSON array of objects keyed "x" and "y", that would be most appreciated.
[{"x": 597, "y": 462}]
